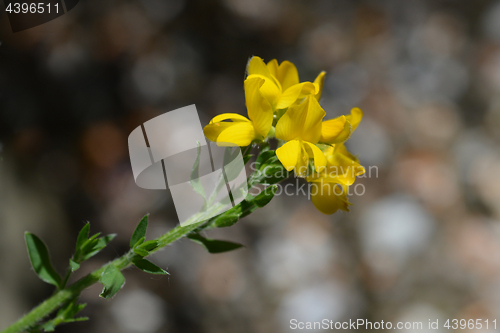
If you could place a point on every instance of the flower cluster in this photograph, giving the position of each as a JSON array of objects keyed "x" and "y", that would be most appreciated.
[{"x": 281, "y": 106}]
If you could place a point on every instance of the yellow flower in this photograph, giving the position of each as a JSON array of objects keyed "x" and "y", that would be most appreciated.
[
  {"x": 300, "y": 126},
  {"x": 329, "y": 188},
  {"x": 282, "y": 87},
  {"x": 329, "y": 197},
  {"x": 341, "y": 167},
  {"x": 242, "y": 131},
  {"x": 340, "y": 129}
]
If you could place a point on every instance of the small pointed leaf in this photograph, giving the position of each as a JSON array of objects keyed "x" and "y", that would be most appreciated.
[
  {"x": 48, "y": 327},
  {"x": 74, "y": 265},
  {"x": 149, "y": 245},
  {"x": 140, "y": 231},
  {"x": 273, "y": 173},
  {"x": 141, "y": 252},
  {"x": 213, "y": 245},
  {"x": 82, "y": 236},
  {"x": 148, "y": 266},
  {"x": 96, "y": 246},
  {"x": 264, "y": 197},
  {"x": 73, "y": 320},
  {"x": 112, "y": 280},
  {"x": 103, "y": 241},
  {"x": 247, "y": 158},
  {"x": 40, "y": 260},
  {"x": 92, "y": 238},
  {"x": 226, "y": 219},
  {"x": 139, "y": 242},
  {"x": 263, "y": 157},
  {"x": 194, "y": 179}
]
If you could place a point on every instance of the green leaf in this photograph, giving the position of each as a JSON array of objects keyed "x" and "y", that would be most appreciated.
[
  {"x": 230, "y": 158},
  {"x": 272, "y": 172},
  {"x": 95, "y": 246},
  {"x": 263, "y": 157},
  {"x": 264, "y": 147},
  {"x": 148, "y": 266},
  {"x": 40, "y": 260},
  {"x": 72, "y": 320},
  {"x": 246, "y": 207},
  {"x": 139, "y": 242},
  {"x": 103, "y": 241},
  {"x": 247, "y": 158},
  {"x": 48, "y": 327},
  {"x": 82, "y": 239},
  {"x": 232, "y": 215},
  {"x": 227, "y": 218},
  {"x": 140, "y": 252},
  {"x": 86, "y": 247},
  {"x": 92, "y": 238},
  {"x": 69, "y": 310},
  {"x": 74, "y": 265},
  {"x": 213, "y": 245},
  {"x": 264, "y": 197},
  {"x": 82, "y": 236},
  {"x": 140, "y": 231},
  {"x": 64, "y": 315},
  {"x": 195, "y": 174},
  {"x": 112, "y": 280},
  {"x": 148, "y": 246},
  {"x": 143, "y": 249},
  {"x": 72, "y": 309}
]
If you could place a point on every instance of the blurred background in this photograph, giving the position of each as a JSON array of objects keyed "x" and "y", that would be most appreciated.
[{"x": 422, "y": 242}]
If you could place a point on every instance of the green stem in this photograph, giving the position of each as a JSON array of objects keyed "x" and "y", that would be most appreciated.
[
  {"x": 66, "y": 294},
  {"x": 66, "y": 277}
]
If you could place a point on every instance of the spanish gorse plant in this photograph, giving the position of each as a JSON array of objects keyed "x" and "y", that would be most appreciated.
[{"x": 280, "y": 108}]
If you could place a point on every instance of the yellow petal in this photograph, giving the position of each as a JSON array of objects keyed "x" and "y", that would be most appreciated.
[
  {"x": 289, "y": 96},
  {"x": 288, "y": 154},
  {"x": 318, "y": 84},
  {"x": 329, "y": 197},
  {"x": 342, "y": 169},
  {"x": 317, "y": 175},
  {"x": 311, "y": 130},
  {"x": 268, "y": 89},
  {"x": 212, "y": 131},
  {"x": 228, "y": 116},
  {"x": 317, "y": 154},
  {"x": 259, "y": 109},
  {"x": 335, "y": 130},
  {"x": 340, "y": 148},
  {"x": 346, "y": 164},
  {"x": 290, "y": 125},
  {"x": 329, "y": 150},
  {"x": 217, "y": 124},
  {"x": 240, "y": 134},
  {"x": 256, "y": 66},
  {"x": 302, "y": 166},
  {"x": 287, "y": 75},
  {"x": 355, "y": 117},
  {"x": 272, "y": 66}
]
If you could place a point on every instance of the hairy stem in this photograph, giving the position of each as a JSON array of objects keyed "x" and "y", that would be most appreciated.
[
  {"x": 71, "y": 292},
  {"x": 62, "y": 296}
]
